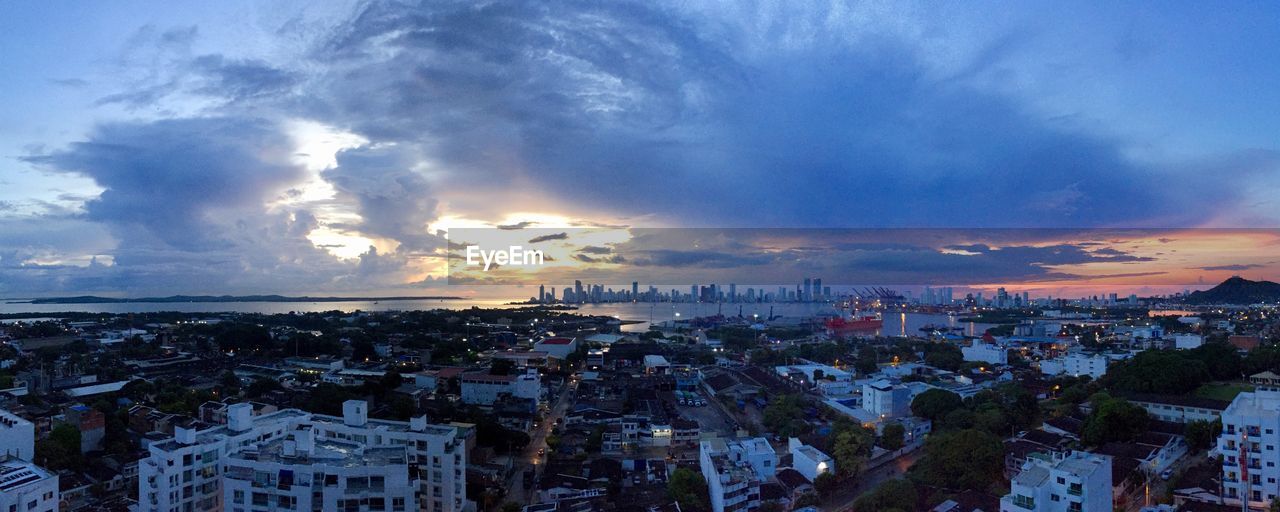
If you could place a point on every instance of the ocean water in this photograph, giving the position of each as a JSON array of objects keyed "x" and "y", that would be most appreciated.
[{"x": 895, "y": 324}]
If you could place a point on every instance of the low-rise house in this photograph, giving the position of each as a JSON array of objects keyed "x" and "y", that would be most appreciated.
[{"x": 809, "y": 461}]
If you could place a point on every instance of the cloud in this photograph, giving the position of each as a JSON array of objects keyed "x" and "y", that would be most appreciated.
[
  {"x": 1235, "y": 267},
  {"x": 515, "y": 226},
  {"x": 240, "y": 79},
  {"x": 657, "y": 101},
  {"x": 394, "y": 201},
  {"x": 595, "y": 249},
  {"x": 170, "y": 179},
  {"x": 548, "y": 238}
]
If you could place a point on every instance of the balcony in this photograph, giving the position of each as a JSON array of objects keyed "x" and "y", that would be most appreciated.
[
  {"x": 1024, "y": 502},
  {"x": 1075, "y": 490}
]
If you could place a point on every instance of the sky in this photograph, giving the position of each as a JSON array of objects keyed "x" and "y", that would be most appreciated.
[{"x": 302, "y": 147}]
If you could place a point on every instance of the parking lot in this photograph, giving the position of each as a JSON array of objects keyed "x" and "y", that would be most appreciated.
[{"x": 709, "y": 417}]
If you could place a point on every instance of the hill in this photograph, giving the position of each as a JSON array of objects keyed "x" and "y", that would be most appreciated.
[{"x": 1238, "y": 290}]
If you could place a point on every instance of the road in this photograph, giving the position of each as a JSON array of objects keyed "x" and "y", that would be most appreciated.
[
  {"x": 537, "y": 441},
  {"x": 844, "y": 497}
]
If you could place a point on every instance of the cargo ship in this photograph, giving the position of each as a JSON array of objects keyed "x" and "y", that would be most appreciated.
[{"x": 857, "y": 323}]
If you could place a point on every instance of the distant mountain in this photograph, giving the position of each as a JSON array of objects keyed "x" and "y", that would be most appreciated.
[
  {"x": 91, "y": 299},
  {"x": 1238, "y": 290}
]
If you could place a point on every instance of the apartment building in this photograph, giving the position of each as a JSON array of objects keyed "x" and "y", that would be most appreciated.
[
  {"x": 27, "y": 487},
  {"x": 1060, "y": 482},
  {"x": 734, "y": 471},
  {"x": 17, "y": 436},
  {"x": 1248, "y": 445},
  {"x": 1076, "y": 364},
  {"x": 295, "y": 460},
  {"x": 481, "y": 388}
]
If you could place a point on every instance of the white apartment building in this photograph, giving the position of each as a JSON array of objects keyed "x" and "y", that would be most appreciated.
[
  {"x": 1187, "y": 341},
  {"x": 1179, "y": 409},
  {"x": 26, "y": 487},
  {"x": 1072, "y": 482},
  {"x": 809, "y": 461},
  {"x": 295, "y": 460},
  {"x": 481, "y": 388},
  {"x": 883, "y": 399},
  {"x": 1076, "y": 364},
  {"x": 985, "y": 353},
  {"x": 1248, "y": 444},
  {"x": 17, "y": 437},
  {"x": 734, "y": 471}
]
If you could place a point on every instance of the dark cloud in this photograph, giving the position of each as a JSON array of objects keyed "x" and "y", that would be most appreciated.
[
  {"x": 615, "y": 258},
  {"x": 548, "y": 238},
  {"x": 515, "y": 226},
  {"x": 643, "y": 98},
  {"x": 170, "y": 178},
  {"x": 595, "y": 249},
  {"x": 1235, "y": 267}
]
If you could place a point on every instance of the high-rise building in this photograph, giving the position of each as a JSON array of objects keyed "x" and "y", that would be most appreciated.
[
  {"x": 542, "y": 294},
  {"x": 808, "y": 290},
  {"x": 733, "y": 292},
  {"x": 295, "y": 460},
  {"x": 635, "y": 290},
  {"x": 1250, "y": 432},
  {"x": 1060, "y": 482},
  {"x": 817, "y": 289}
]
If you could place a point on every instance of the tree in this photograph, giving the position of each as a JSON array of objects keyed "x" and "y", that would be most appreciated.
[
  {"x": 261, "y": 386},
  {"x": 61, "y": 450},
  {"x": 363, "y": 350},
  {"x": 866, "y": 363},
  {"x": 595, "y": 440},
  {"x": 1113, "y": 419},
  {"x": 944, "y": 355},
  {"x": 890, "y": 495},
  {"x": 1202, "y": 434},
  {"x": 962, "y": 460},
  {"x": 893, "y": 436},
  {"x": 689, "y": 490},
  {"x": 511, "y": 506},
  {"x": 1222, "y": 359},
  {"x": 230, "y": 384},
  {"x": 934, "y": 404},
  {"x": 784, "y": 416},
  {"x": 1157, "y": 371},
  {"x": 850, "y": 446},
  {"x": 825, "y": 484}
]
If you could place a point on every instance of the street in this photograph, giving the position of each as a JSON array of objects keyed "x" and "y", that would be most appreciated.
[
  {"x": 844, "y": 497},
  {"x": 537, "y": 441}
]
